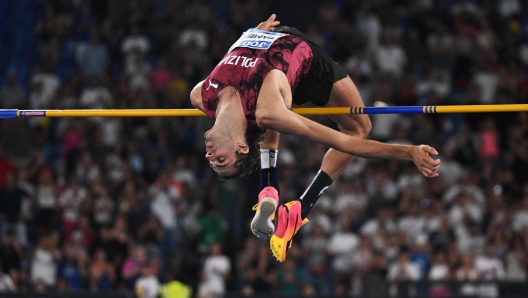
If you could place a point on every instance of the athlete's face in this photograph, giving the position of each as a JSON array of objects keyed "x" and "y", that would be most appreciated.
[
  {"x": 222, "y": 160},
  {"x": 220, "y": 151}
]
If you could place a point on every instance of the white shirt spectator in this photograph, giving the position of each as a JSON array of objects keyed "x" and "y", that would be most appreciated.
[
  {"x": 383, "y": 125},
  {"x": 162, "y": 205},
  {"x": 111, "y": 128},
  {"x": 451, "y": 171},
  {"x": 147, "y": 287},
  {"x": 507, "y": 8},
  {"x": 132, "y": 45},
  {"x": 520, "y": 220},
  {"x": 514, "y": 268},
  {"x": 95, "y": 98},
  {"x": 50, "y": 85},
  {"x": 408, "y": 271},
  {"x": 523, "y": 53},
  {"x": 43, "y": 267},
  {"x": 438, "y": 83},
  {"x": 391, "y": 59},
  {"x": 139, "y": 73},
  {"x": 342, "y": 246},
  {"x": 214, "y": 281},
  {"x": 344, "y": 201},
  {"x": 487, "y": 83},
  {"x": 438, "y": 272},
  {"x": 468, "y": 243},
  {"x": 456, "y": 189},
  {"x": 412, "y": 226},
  {"x": 46, "y": 197},
  {"x": 490, "y": 268},
  {"x": 196, "y": 35},
  {"x": 70, "y": 201},
  {"x": 6, "y": 283},
  {"x": 103, "y": 208},
  {"x": 371, "y": 27}
]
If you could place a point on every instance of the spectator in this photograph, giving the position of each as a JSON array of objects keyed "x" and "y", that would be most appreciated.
[
  {"x": 420, "y": 255},
  {"x": 147, "y": 286},
  {"x": 71, "y": 268},
  {"x": 11, "y": 197},
  {"x": 101, "y": 273},
  {"x": 46, "y": 85},
  {"x": 132, "y": 266},
  {"x": 45, "y": 260},
  {"x": 361, "y": 260},
  {"x": 341, "y": 246},
  {"x": 95, "y": 95},
  {"x": 440, "y": 271},
  {"x": 11, "y": 254},
  {"x": 6, "y": 283},
  {"x": 134, "y": 45},
  {"x": 212, "y": 227},
  {"x": 391, "y": 57},
  {"x": 491, "y": 270},
  {"x": 412, "y": 223},
  {"x": 520, "y": 216},
  {"x": 314, "y": 251},
  {"x": 93, "y": 57},
  {"x": 12, "y": 96},
  {"x": 289, "y": 279},
  {"x": 164, "y": 196},
  {"x": 70, "y": 202},
  {"x": 403, "y": 269},
  {"x": 468, "y": 272},
  {"x": 516, "y": 260},
  {"x": 231, "y": 195},
  {"x": 215, "y": 272}
]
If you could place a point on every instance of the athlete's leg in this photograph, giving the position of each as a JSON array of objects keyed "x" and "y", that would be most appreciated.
[
  {"x": 344, "y": 94},
  {"x": 262, "y": 225},
  {"x": 268, "y": 160}
]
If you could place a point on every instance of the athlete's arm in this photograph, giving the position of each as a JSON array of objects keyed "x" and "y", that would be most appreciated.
[
  {"x": 288, "y": 122},
  {"x": 196, "y": 97}
]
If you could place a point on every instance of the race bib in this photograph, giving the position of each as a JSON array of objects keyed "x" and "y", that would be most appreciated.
[{"x": 256, "y": 39}]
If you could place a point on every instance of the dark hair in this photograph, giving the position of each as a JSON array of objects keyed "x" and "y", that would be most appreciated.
[{"x": 245, "y": 164}]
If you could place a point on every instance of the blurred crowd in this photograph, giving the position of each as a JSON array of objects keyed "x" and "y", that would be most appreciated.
[{"x": 130, "y": 203}]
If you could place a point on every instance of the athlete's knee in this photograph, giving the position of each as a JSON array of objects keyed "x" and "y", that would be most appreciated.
[
  {"x": 360, "y": 128},
  {"x": 366, "y": 126}
]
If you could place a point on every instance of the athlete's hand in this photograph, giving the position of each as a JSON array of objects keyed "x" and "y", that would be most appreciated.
[
  {"x": 424, "y": 162},
  {"x": 269, "y": 24}
]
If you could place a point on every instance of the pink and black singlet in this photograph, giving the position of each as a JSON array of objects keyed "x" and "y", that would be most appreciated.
[{"x": 309, "y": 70}]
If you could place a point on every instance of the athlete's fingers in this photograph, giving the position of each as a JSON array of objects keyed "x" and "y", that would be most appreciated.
[
  {"x": 429, "y": 173},
  {"x": 432, "y": 162},
  {"x": 269, "y": 24},
  {"x": 430, "y": 149}
]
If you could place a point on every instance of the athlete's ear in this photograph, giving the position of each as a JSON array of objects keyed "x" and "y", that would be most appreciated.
[{"x": 243, "y": 148}]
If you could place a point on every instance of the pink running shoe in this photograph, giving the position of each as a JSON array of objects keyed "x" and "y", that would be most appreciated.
[{"x": 288, "y": 224}]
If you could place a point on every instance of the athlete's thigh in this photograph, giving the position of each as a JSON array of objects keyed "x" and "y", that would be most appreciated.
[{"x": 345, "y": 94}]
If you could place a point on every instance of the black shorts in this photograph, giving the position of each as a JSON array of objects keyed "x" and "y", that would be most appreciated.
[{"x": 323, "y": 73}]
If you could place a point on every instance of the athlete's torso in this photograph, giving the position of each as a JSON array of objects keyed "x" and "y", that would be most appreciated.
[{"x": 246, "y": 68}]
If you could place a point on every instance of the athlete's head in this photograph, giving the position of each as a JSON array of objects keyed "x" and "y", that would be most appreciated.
[{"x": 230, "y": 159}]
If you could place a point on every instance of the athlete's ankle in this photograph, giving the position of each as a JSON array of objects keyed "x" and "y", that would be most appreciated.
[
  {"x": 269, "y": 175},
  {"x": 318, "y": 186}
]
